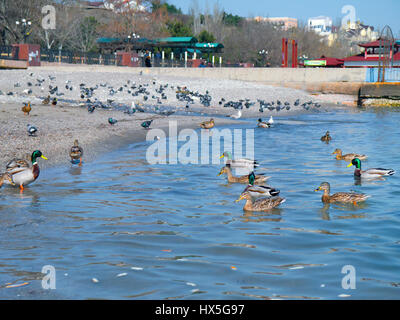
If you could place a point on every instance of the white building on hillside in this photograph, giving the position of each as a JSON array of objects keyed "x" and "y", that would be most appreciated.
[{"x": 321, "y": 25}]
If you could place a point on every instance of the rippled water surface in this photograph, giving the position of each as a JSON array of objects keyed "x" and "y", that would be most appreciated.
[{"x": 174, "y": 231}]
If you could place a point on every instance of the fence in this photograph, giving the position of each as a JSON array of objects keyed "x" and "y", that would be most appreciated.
[
  {"x": 8, "y": 52},
  {"x": 391, "y": 75},
  {"x": 63, "y": 56}
]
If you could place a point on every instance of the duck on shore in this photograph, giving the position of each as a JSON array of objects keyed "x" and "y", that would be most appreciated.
[
  {"x": 25, "y": 176},
  {"x": 76, "y": 153}
]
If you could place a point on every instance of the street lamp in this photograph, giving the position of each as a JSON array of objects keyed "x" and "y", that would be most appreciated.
[
  {"x": 25, "y": 26},
  {"x": 263, "y": 53}
]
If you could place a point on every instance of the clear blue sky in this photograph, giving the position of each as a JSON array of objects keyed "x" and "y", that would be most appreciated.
[{"x": 377, "y": 13}]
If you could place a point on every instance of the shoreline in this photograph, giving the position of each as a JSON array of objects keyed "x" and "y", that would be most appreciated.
[{"x": 58, "y": 126}]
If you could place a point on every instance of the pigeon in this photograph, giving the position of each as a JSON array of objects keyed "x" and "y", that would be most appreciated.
[
  {"x": 32, "y": 130},
  {"x": 91, "y": 108},
  {"x": 112, "y": 121},
  {"x": 146, "y": 124}
]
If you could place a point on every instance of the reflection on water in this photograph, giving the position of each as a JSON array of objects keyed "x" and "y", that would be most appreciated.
[{"x": 174, "y": 231}]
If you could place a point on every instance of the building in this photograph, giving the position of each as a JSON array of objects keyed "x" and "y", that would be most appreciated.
[
  {"x": 124, "y": 5},
  {"x": 370, "y": 55},
  {"x": 321, "y": 25},
  {"x": 284, "y": 22}
]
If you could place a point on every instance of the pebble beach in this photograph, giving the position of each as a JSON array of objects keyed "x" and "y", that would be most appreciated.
[{"x": 58, "y": 126}]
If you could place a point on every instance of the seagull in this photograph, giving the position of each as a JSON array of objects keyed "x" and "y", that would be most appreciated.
[
  {"x": 270, "y": 121},
  {"x": 32, "y": 130},
  {"x": 237, "y": 116}
]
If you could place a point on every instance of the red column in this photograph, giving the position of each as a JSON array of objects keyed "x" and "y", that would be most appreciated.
[
  {"x": 283, "y": 52},
  {"x": 286, "y": 53},
  {"x": 294, "y": 54}
]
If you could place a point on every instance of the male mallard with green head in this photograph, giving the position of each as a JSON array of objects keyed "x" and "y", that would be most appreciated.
[
  {"x": 372, "y": 173},
  {"x": 25, "y": 176}
]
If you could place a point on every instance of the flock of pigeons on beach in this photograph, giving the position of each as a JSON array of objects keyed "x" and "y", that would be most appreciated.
[{"x": 153, "y": 96}]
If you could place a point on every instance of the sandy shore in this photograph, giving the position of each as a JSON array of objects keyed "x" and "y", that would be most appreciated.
[{"x": 59, "y": 125}]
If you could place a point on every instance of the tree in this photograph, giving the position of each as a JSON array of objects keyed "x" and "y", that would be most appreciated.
[
  {"x": 231, "y": 20},
  {"x": 86, "y": 34},
  {"x": 205, "y": 36},
  {"x": 179, "y": 29},
  {"x": 170, "y": 8}
]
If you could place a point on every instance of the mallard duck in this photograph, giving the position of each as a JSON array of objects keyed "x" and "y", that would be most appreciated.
[
  {"x": 239, "y": 163},
  {"x": 46, "y": 100},
  {"x": 261, "y": 190},
  {"x": 264, "y": 204},
  {"x": 76, "y": 153},
  {"x": 345, "y": 197},
  {"x": 54, "y": 101},
  {"x": 17, "y": 163},
  {"x": 25, "y": 176},
  {"x": 258, "y": 179},
  {"x": 348, "y": 156},
  {"x": 6, "y": 177},
  {"x": 26, "y": 108},
  {"x": 207, "y": 124},
  {"x": 263, "y": 124},
  {"x": 372, "y": 173},
  {"x": 327, "y": 138}
]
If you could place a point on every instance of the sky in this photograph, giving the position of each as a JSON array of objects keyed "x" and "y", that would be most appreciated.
[{"x": 377, "y": 13}]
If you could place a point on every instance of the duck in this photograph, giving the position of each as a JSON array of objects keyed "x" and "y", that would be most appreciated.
[
  {"x": 349, "y": 156},
  {"x": 263, "y": 124},
  {"x": 46, "y": 101},
  {"x": 344, "y": 197},
  {"x": 54, "y": 101},
  {"x": 6, "y": 177},
  {"x": 258, "y": 179},
  {"x": 371, "y": 173},
  {"x": 17, "y": 163},
  {"x": 26, "y": 108},
  {"x": 26, "y": 176},
  {"x": 264, "y": 204},
  {"x": 207, "y": 124},
  {"x": 76, "y": 153},
  {"x": 260, "y": 190},
  {"x": 239, "y": 163},
  {"x": 327, "y": 138}
]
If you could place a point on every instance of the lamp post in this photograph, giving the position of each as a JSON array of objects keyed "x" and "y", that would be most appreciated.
[
  {"x": 25, "y": 24},
  {"x": 263, "y": 53},
  {"x": 132, "y": 38}
]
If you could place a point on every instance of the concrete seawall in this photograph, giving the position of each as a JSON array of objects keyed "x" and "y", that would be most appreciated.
[{"x": 265, "y": 75}]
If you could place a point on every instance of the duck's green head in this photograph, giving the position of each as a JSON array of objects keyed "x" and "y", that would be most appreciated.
[
  {"x": 37, "y": 154},
  {"x": 226, "y": 154},
  {"x": 252, "y": 178},
  {"x": 355, "y": 162}
]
